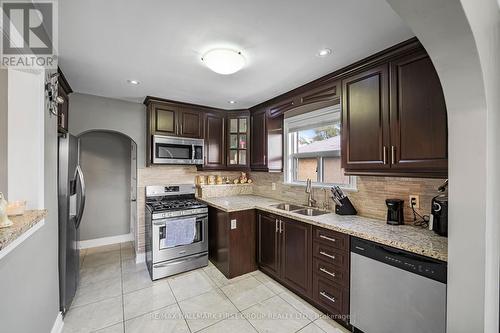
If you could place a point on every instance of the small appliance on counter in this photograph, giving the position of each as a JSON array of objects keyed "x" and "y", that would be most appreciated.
[
  {"x": 395, "y": 213},
  {"x": 439, "y": 212},
  {"x": 343, "y": 206}
]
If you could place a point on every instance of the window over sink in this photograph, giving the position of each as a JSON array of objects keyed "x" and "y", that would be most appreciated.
[{"x": 312, "y": 149}]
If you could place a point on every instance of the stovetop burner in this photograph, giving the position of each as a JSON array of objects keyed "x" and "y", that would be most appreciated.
[{"x": 174, "y": 204}]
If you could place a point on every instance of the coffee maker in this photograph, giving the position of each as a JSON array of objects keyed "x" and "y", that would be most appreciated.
[{"x": 395, "y": 214}]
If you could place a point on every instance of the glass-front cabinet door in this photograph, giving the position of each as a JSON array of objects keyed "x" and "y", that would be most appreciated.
[{"x": 238, "y": 140}]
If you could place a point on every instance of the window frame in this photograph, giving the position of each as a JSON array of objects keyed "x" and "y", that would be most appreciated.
[{"x": 309, "y": 120}]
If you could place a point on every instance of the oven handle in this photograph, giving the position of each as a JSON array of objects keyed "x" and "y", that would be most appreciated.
[
  {"x": 162, "y": 221},
  {"x": 180, "y": 261}
]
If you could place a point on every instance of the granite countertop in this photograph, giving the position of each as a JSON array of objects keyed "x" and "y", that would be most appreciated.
[
  {"x": 406, "y": 237},
  {"x": 21, "y": 224}
]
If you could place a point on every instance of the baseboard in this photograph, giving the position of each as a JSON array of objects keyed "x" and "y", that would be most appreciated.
[
  {"x": 140, "y": 257},
  {"x": 105, "y": 241},
  {"x": 58, "y": 324}
]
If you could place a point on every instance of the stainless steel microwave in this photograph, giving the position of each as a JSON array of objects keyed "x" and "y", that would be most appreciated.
[{"x": 175, "y": 150}]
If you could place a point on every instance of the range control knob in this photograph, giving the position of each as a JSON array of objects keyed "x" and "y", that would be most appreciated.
[{"x": 436, "y": 207}]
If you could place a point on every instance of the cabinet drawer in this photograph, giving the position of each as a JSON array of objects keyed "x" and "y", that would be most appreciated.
[
  {"x": 330, "y": 272},
  {"x": 330, "y": 296},
  {"x": 331, "y": 255},
  {"x": 332, "y": 238}
]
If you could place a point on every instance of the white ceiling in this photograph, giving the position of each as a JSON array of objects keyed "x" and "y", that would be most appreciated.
[{"x": 159, "y": 43}]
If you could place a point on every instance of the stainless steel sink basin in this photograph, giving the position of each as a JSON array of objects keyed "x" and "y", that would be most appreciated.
[
  {"x": 310, "y": 212},
  {"x": 287, "y": 206}
]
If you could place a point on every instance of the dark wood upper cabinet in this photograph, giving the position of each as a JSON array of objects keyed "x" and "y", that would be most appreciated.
[
  {"x": 174, "y": 119},
  {"x": 165, "y": 119},
  {"x": 258, "y": 152},
  {"x": 365, "y": 120},
  {"x": 191, "y": 123},
  {"x": 418, "y": 116},
  {"x": 215, "y": 143},
  {"x": 296, "y": 269},
  {"x": 238, "y": 139},
  {"x": 268, "y": 251},
  {"x": 63, "y": 91},
  {"x": 267, "y": 141},
  {"x": 394, "y": 119}
]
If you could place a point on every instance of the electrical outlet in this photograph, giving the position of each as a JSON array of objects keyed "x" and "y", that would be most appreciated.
[
  {"x": 273, "y": 186},
  {"x": 414, "y": 201},
  {"x": 233, "y": 224}
]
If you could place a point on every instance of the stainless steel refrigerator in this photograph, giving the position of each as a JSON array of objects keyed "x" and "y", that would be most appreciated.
[{"x": 71, "y": 204}]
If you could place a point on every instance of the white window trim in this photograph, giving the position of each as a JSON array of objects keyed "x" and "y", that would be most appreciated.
[{"x": 303, "y": 121}]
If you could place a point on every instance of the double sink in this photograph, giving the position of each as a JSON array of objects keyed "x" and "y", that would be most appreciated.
[{"x": 300, "y": 210}]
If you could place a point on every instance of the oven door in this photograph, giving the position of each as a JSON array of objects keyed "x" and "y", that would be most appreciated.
[
  {"x": 172, "y": 150},
  {"x": 200, "y": 243}
]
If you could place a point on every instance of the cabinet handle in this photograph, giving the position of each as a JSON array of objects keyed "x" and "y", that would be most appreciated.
[
  {"x": 393, "y": 155},
  {"x": 327, "y": 272},
  {"x": 327, "y": 255},
  {"x": 265, "y": 159},
  {"x": 281, "y": 226},
  {"x": 327, "y": 238},
  {"x": 385, "y": 155},
  {"x": 276, "y": 226},
  {"x": 328, "y": 297}
]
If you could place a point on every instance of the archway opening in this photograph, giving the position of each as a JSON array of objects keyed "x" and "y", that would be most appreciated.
[{"x": 109, "y": 162}]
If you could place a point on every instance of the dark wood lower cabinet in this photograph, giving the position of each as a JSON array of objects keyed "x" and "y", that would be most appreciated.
[
  {"x": 311, "y": 261},
  {"x": 296, "y": 255},
  {"x": 232, "y": 250},
  {"x": 268, "y": 240}
]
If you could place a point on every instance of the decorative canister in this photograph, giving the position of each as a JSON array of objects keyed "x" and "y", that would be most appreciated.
[
  {"x": 211, "y": 180},
  {"x": 4, "y": 219},
  {"x": 218, "y": 180}
]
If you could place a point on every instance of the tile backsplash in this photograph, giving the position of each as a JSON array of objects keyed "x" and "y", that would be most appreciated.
[{"x": 369, "y": 199}]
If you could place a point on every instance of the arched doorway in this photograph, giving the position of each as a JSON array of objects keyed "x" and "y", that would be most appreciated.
[
  {"x": 109, "y": 162},
  {"x": 461, "y": 38}
]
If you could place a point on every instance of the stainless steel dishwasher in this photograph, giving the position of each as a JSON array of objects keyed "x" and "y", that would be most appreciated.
[{"x": 394, "y": 291}]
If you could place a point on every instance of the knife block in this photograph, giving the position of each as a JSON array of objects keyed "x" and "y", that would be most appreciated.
[{"x": 346, "y": 209}]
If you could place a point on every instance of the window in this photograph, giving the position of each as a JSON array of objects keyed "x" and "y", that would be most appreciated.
[{"x": 312, "y": 148}]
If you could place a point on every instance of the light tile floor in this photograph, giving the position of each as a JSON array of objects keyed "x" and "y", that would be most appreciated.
[{"x": 117, "y": 295}]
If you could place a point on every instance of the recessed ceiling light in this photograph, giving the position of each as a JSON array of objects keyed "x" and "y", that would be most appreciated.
[
  {"x": 231, "y": 102},
  {"x": 133, "y": 82},
  {"x": 324, "y": 52},
  {"x": 224, "y": 61}
]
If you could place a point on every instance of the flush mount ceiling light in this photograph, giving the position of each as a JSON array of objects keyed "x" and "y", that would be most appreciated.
[
  {"x": 231, "y": 102},
  {"x": 133, "y": 82},
  {"x": 224, "y": 61},
  {"x": 324, "y": 52}
]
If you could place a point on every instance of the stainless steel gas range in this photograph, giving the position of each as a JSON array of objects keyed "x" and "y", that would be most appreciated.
[{"x": 176, "y": 229}]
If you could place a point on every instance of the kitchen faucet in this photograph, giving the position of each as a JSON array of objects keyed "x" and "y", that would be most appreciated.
[{"x": 311, "y": 202}]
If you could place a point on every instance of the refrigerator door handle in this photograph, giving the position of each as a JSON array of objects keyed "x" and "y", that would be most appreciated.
[{"x": 82, "y": 200}]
